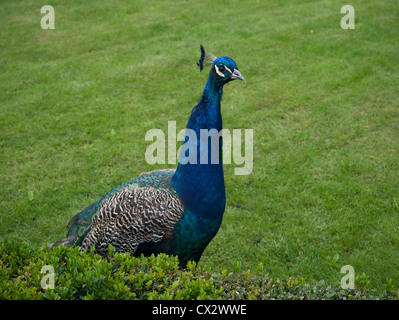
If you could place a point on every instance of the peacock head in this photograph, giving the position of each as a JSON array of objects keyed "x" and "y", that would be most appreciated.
[{"x": 223, "y": 69}]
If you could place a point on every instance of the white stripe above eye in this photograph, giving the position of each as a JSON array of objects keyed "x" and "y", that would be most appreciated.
[
  {"x": 228, "y": 70},
  {"x": 220, "y": 73}
]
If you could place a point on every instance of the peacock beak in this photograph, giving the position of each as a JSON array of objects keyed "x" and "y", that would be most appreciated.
[{"x": 237, "y": 75}]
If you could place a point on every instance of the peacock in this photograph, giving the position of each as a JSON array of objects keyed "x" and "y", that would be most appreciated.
[{"x": 176, "y": 212}]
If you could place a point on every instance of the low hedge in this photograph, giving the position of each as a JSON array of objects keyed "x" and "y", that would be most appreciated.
[{"x": 85, "y": 275}]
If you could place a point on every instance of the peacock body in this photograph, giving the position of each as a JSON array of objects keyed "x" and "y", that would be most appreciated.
[{"x": 176, "y": 212}]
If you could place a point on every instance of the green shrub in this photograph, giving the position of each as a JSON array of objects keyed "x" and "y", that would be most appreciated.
[{"x": 85, "y": 275}]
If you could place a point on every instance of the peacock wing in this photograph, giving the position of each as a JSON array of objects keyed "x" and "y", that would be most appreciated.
[
  {"x": 122, "y": 203},
  {"x": 133, "y": 216}
]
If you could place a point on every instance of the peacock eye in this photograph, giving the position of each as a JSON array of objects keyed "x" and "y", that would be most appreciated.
[{"x": 222, "y": 69}]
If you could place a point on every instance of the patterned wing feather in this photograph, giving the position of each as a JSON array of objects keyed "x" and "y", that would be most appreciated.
[
  {"x": 133, "y": 216},
  {"x": 142, "y": 210}
]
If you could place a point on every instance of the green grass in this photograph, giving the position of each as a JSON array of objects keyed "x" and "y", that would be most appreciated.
[{"x": 77, "y": 101}]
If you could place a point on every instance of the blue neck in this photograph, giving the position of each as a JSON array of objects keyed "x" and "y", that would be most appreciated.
[{"x": 201, "y": 185}]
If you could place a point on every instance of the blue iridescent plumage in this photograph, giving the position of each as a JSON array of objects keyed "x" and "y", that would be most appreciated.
[{"x": 171, "y": 211}]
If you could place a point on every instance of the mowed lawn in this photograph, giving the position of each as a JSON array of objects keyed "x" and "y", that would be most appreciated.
[{"x": 77, "y": 101}]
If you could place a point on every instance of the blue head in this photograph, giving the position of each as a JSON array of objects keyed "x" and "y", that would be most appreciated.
[{"x": 223, "y": 70}]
